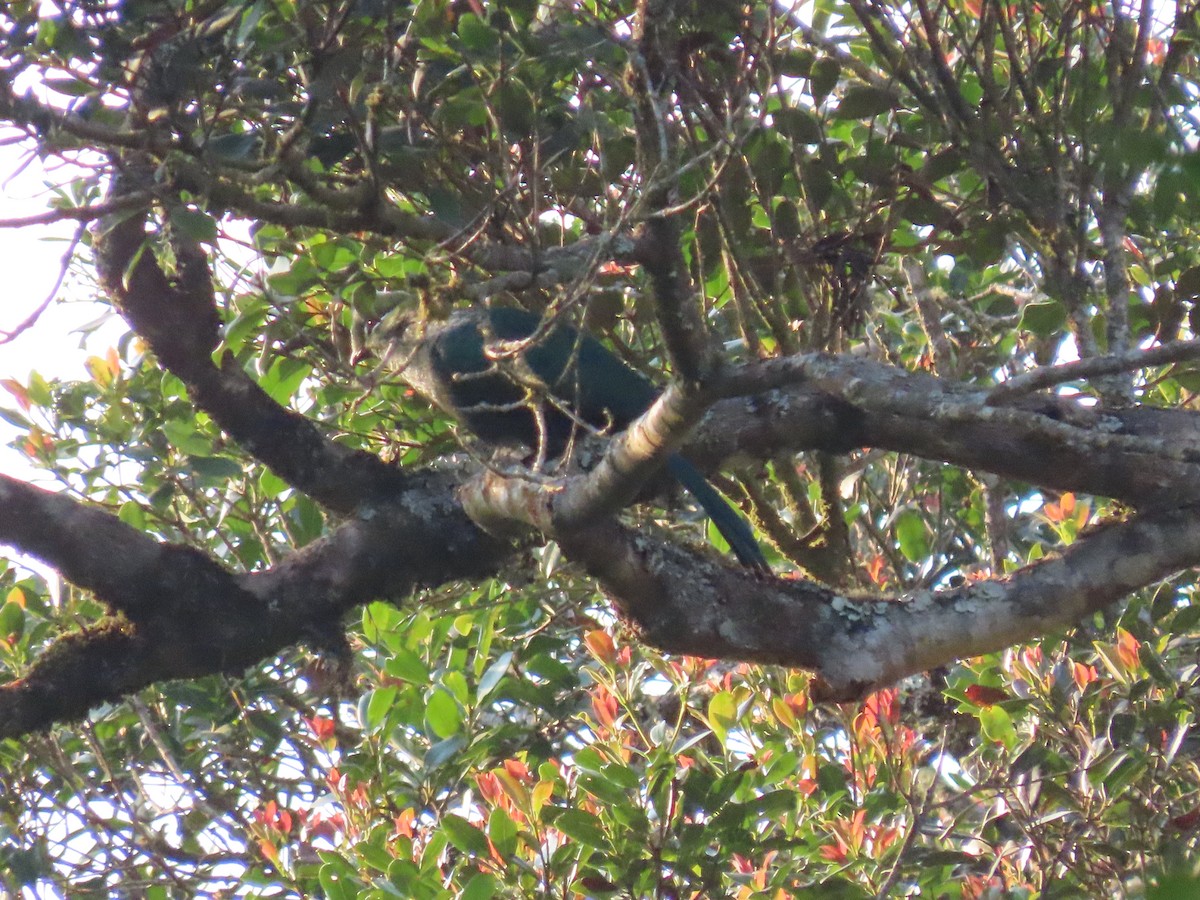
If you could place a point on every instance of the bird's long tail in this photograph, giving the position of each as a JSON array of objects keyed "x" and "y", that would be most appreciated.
[{"x": 733, "y": 527}]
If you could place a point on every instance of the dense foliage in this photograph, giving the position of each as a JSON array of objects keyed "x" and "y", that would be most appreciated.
[{"x": 919, "y": 202}]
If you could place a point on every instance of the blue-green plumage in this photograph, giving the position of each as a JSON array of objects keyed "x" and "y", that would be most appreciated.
[{"x": 583, "y": 379}]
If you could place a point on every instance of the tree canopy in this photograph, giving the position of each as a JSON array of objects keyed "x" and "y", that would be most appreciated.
[{"x": 918, "y": 282}]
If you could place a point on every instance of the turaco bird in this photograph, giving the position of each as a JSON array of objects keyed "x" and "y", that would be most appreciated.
[{"x": 586, "y": 382}]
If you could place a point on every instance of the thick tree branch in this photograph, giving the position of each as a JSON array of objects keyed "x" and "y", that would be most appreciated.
[
  {"x": 186, "y": 616},
  {"x": 179, "y": 320},
  {"x": 687, "y": 602},
  {"x": 87, "y": 546},
  {"x": 1143, "y": 456}
]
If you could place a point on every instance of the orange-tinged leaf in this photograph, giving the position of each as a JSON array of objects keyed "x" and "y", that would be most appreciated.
[
  {"x": 18, "y": 391},
  {"x": 514, "y": 788},
  {"x": 403, "y": 823},
  {"x": 600, "y": 644},
  {"x": 1083, "y": 674},
  {"x": 875, "y": 569},
  {"x": 322, "y": 727},
  {"x": 1127, "y": 649},
  {"x": 267, "y": 849},
  {"x": 616, "y": 268},
  {"x": 489, "y": 787},
  {"x": 102, "y": 370},
  {"x": 834, "y": 852},
  {"x": 879, "y": 708},
  {"x": 1033, "y": 657},
  {"x": 317, "y": 307},
  {"x": 37, "y": 442},
  {"x": 517, "y": 769},
  {"x": 1082, "y": 513},
  {"x": 604, "y": 705},
  {"x": 798, "y": 702},
  {"x": 1062, "y": 510},
  {"x": 17, "y": 596}
]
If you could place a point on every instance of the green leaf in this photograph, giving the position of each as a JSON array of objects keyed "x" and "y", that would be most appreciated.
[
  {"x": 12, "y": 621},
  {"x": 583, "y": 827},
  {"x": 194, "y": 224},
  {"x": 378, "y": 706},
  {"x": 1187, "y": 285},
  {"x": 271, "y": 484},
  {"x": 831, "y": 779},
  {"x": 799, "y": 124},
  {"x": 407, "y": 665},
  {"x": 283, "y": 378},
  {"x": 234, "y": 147},
  {"x": 443, "y": 715},
  {"x": 503, "y": 832},
  {"x": 912, "y": 535},
  {"x": 824, "y": 76},
  {"x": 494, "y": 675},
  {"x": 70, "y": 87},
  {"x": 476, "y": 35},
  {"x": 482, "y": 886},
  {"x": 338, "y": 881},
  {"x": 1044, "y": 318},
  {"x": 864, "y": 102},
  {"x": 336, "y": 256},
  {"x": 997, "y": 726},
  {"x": 132, "y": 513},
  {"x": 455, "y": 682},
  {"x": 1181, "y": 885},
  {"x": 464, "y": 836},
  {"x": 183, "y": 434},
  {"x": 722, "y": 714},
  {"x": 795, "y": 63},
  {"x": 602, "y": 789},
  {"x": 444, "y": 751},
  {"x": 218, "y": 468},
  {"x": 838, "y": 889}
]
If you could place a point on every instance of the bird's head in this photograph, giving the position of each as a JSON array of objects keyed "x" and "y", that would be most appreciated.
[{"x": 394, "y": 321}]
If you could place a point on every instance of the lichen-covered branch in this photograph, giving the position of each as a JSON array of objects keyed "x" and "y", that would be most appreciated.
[
  {"x": 687, "y": 602},
  {"x": 180, "y": 614}
]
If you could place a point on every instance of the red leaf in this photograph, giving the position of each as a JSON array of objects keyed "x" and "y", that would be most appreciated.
[{"x": 983, "y": 695}]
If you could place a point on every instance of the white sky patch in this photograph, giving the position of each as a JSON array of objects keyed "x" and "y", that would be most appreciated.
[{"x": 31, "y": 261}]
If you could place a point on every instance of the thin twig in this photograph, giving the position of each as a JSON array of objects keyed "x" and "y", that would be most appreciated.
[
  {"x": 31, "y": 319},
  {"x": 79, "y": 213},
  {"x": 1175, "y": 351}
]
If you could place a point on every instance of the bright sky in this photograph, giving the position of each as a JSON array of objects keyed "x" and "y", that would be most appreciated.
[{"x": 30, "y": 262}]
